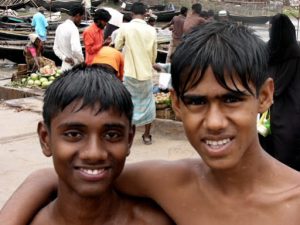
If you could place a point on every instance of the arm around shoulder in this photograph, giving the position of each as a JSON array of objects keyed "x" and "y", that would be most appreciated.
[
  {"x": 150, "y": 178},
  {"x": 29, "y": 198}
]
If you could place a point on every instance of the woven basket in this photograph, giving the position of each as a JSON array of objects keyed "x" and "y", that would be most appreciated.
[{"x": 161, "y": 106}]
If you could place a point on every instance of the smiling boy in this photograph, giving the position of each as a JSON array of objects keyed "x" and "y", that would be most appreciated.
[
  {"x": 87, "y": 130},
  {"x": 220, "y": 85}
]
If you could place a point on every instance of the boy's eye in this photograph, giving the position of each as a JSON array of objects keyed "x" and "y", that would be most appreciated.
[
  {"x": 113, "y": 135},
  {"x": 191, "y": 100},
  {"x": 232, "y": 99},
  {"x": 73, "y": 134}
]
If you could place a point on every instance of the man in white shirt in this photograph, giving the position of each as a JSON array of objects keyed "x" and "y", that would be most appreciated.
[
  {"x": 67, "y": 44},
  {"x": 140, "y": 44}
]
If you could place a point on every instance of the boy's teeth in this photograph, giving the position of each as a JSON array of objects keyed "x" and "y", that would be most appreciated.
[
  {"x": 92, "y": 172},
  {"x": 217, "y": 143}
]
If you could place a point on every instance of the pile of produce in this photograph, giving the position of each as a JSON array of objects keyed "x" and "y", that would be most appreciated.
[
  {"x": 42, "y": 78},
  {"x": 163, "y": 98}
]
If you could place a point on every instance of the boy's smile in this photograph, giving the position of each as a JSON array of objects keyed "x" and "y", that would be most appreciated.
[
  {"x": 220, "y": 124},
  {"x": 89, "y": 148}
]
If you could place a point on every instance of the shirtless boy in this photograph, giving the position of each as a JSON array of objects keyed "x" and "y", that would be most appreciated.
[
  {"x": 88, "y": 132},
  {"x": 220, "y": 85}
]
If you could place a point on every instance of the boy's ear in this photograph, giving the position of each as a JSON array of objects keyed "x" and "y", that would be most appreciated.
[
  {"x": 175, "y": 104},
  {"x": 44, "y": 136},
  {"x": 266, "y": 95},
  {"x": 130, "y": 138}
]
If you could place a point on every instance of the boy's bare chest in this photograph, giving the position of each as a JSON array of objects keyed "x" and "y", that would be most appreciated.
[
  {"x": 208, "y": 209},
  {"x": 238, "y": 215}
]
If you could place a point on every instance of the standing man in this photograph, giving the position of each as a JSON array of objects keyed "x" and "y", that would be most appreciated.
[
  {"x": 40, "y": 24},
  {"x": 93, "y": 36},
  {"x": 112, "y": 58},
  {"x": 193, "y": 19},
  {"x": 177, "y": 30},
  {"x": 67, "y": 44},
  {"x": 140, "y": 42}
]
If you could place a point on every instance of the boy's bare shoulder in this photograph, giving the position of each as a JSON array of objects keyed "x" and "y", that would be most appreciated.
[
  {"x": 42, "y": 217},
  {"x": 141, "y": 211},
  {"x": 186, "y": 169},
  {"x": 291, "y": 185},
  {"x": 180, "y": 173},
  {"x": 179, "y": 167}
]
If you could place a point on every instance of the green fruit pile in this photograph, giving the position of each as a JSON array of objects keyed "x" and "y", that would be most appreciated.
[
  {"x": 162, "y": 98},
  {"x": 40, "y": 80}
]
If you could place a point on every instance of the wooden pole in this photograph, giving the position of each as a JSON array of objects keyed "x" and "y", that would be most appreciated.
[
  {"x": 34, "y": 3},
  {"x": 298, "y": 21},
  {"x": 50, "y": 9}
]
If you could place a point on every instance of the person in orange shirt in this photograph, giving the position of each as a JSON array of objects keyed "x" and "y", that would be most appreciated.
[
  {"x": 93, "y": 35},
  {"x": 112, "y": 58}
]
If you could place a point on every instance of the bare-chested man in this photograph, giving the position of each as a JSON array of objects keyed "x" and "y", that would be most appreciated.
[{"x": 220, "y": 81}]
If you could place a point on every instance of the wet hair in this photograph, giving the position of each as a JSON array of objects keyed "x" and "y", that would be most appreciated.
[
  {"x": 138, "y": 8},
  {"x": 92, "y": 85},
  {"x": 232, "y": 51},
  {"x": 183, "y": 10},
  {"x": 282, "y": 37},
  {"x": 102, "y": 14},
  {"x": 76, "y": 9},
  {"x": 197, "y": 8}
]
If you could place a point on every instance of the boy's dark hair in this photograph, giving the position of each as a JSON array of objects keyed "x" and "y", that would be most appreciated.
[
  {"x": 197, "y": 7},
  {"x": 102, "y": 14},
  {"x": 76, "y": 9},
  {"x": 138, "y": 8},
  {"x": 91, "y": 84},
  {"x": 231, "y": 50},
  {"x": 183, "y": 10}
]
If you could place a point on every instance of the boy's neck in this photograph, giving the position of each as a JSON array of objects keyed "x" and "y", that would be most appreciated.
[
  {"x": 246, "y": 177},
  {"x": 73, "y": 209}
]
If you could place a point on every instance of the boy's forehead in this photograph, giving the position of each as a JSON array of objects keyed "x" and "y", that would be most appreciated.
[
  {"x": 94, "y": 109},
  {"x": 210, "y": 82},
  {"x": 89, "y": 116}
]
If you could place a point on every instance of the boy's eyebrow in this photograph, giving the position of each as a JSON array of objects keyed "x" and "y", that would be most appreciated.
[
  {"x": 71, "y": 124},
  {"x": 192, "y": 97},
  {"x": 236, "y": 94},
  {"x": 115, "y": 125},
  {"x": 228, "y": 94},
  {"x": 77, "y": 124}
]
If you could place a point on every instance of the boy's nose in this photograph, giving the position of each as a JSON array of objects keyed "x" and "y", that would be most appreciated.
[
  {"x": 215, "y": 119},
  {"x": 94, "y": 150}
]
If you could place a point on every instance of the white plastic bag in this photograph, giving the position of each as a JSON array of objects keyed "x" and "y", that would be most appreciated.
[{"x": 164, "y": 80}]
